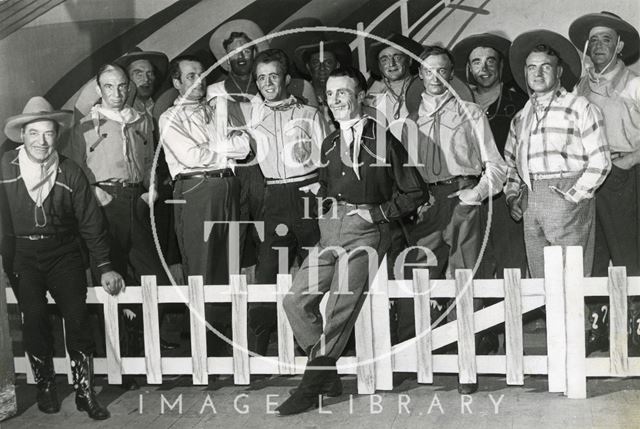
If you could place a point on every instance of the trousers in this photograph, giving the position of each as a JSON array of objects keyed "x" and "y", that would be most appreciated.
[
  {"x": 343, "y": 263},
  {"x": 55, "y": 265}
]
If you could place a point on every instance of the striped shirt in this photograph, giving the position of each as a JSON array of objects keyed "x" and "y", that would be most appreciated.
[{"x": 558, "y": 133}]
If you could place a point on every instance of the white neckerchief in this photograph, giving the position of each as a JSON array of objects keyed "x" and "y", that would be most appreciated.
[
  {"x": 124, "y": 117},
  {"x": 39, "y": 179},
  {"x": 351, "y": 130},
  {"x": 431, "y": 104}
]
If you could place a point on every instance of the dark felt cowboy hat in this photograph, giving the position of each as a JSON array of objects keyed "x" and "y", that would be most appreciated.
[
  {"x": 580, "y": 28},
  {"x": 340, "y": 49},
  {"x": 394, "y": 39},
  {"x": 157, "y": 59},
  {"x": 487, "y": 40},
  {"x": 36, "y": 109},
  {"x": 524, "y": 44},
  {"x": 222, "y": 33}
]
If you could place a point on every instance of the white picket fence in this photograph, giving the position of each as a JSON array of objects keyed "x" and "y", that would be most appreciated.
[{"x": 562, "y": 292}]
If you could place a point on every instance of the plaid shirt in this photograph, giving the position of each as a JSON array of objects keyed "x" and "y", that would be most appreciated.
[{"x": 568, "y": 137}]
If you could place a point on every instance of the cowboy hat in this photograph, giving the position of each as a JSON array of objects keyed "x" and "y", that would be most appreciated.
[
  {"x": 393, "y": 39},
  {"x": 580, "y": 28},
  {"x": 524, "y": 44},
  {"x": 36, "y": 109},
  {"x": 463, "y": 49},
  {"x": 223, "y": 32},
  {"x": 340, "y": 49},
  {"x": 157, "y": 59}
]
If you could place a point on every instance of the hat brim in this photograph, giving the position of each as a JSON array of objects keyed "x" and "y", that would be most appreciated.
[
  {"x": 157, "y": 59},
  {"x": 341, "y": 50},
  {"x": 395, "y": 39},
  {"x": 13, "y": 126},
  {"x": 580, "y": 28},
  {"x": 463, "y": 48},
  {"x": 222, "y": 33},
  {"x": 524, "y": 44}
]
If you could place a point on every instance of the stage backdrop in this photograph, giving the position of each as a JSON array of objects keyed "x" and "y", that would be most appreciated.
[{"x": 53, "y": 47}]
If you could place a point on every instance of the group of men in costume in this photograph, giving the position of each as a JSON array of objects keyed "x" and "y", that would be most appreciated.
[{"x": 330, "y": 176}]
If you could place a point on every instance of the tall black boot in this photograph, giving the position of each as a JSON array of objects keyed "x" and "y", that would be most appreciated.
[
  {"x": 309, "y": 392},
  {"x": 82, "y": 369},
  {"x": 45, "y": 379}
]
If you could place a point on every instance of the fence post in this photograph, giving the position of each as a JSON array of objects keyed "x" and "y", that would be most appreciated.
[
  {"x": 239, "y": 300},
  {"x": 513, "y": 338},
  {"x": 466, "y": 332},
  {"x": 556, "y": 329},
  {"x": 112, "y": 338},
  {"x": 198, "y": 331},
  {"x": 422, "y": 311},
  {"x": 619, "y": 347},
  {"x": 8, "y": 404},
  {"x": 286, "y": 346},
  {"x": 574, "y": 302},
  {"x": 379, "y": 294},
  {"x": 151, "y": 325}
]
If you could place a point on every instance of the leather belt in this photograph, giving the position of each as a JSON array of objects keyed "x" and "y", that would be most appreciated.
[
  {"x": 224, "y": 172},
  {"x": 356, "y": 206},
  {"x": 120, "y": 184},
  {"x": 36, "y": 237},
  {"x": 558, "y": 175},
  {"x": 454, "y": 180},
  {"x": 296, "y": 179}
]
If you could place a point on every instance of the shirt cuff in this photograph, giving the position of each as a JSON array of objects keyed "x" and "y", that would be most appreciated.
[
  {"x": 104, "y": 267},
  {"x": 574, "y": 195}
]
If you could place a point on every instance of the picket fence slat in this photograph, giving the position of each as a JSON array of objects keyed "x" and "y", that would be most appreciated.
[
  {"x": 286, "y": 345},
  {"x": 555, "y": 308},
  {"x": 381, "y": 326},
  {"x": 422, "y": 310},
  {"x": 574, "y": 313},
  {"x": 618, "y": 345},
  {"x": 513, "y": 337},
  {"x": 112, "y": 339},
  {"x": 198, "y": 331},
  {"x": 466, "y": 332},
  {"x": 241, "y": 372},
  {"x": 151, "y": 329}
]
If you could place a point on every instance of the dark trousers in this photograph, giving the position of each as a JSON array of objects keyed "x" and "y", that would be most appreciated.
[
  {"x": 208, "y": 199},
  {"x": 616, "y": 236},
  {"x": 617, "y": 223},
  {"x": 505, "y": 245},
  {"x": 452, "y": 232},
  {"x": 321, "y": 273},
  {"x": 133, "y": 251},
  {"x": 285, "y": 227},
  {"x": 133, "y": 254},
  {"x": 57, "y": 266},
  {"x": 251, "y": 208}
]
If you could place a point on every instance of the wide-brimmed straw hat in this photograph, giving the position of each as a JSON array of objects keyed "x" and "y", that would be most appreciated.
[
  {"x": 526, "y": 42},
  {"x": 486, "y": 40},
  {"x": 222, "y": 33},
  {"x": 340, "y": 49},
  {"x": 36, "y": 109},
  {"x": 580, "y": 28},
  {"x": 394, "y": 39},
  {"x": 157, "y": 59}
]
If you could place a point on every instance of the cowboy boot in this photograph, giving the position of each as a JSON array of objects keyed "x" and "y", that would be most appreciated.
[
  {"x": 309, "y": 392},
  {"x": 82, "y": 370},
  {"x": 331, "y": 386},
  {"x": 597, "y": 337},
  {"x": 45, "y": 380}
]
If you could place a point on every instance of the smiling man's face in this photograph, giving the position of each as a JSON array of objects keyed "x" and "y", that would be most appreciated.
[
  {"x": 241, "y": 62},
  {"x": 485, "y": 66}
]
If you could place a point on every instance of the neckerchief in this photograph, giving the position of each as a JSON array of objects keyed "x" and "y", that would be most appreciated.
[{"x": 39, "y": 179}]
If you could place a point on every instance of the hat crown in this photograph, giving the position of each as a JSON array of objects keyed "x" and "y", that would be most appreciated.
[{"x": 37, "y": 105}]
